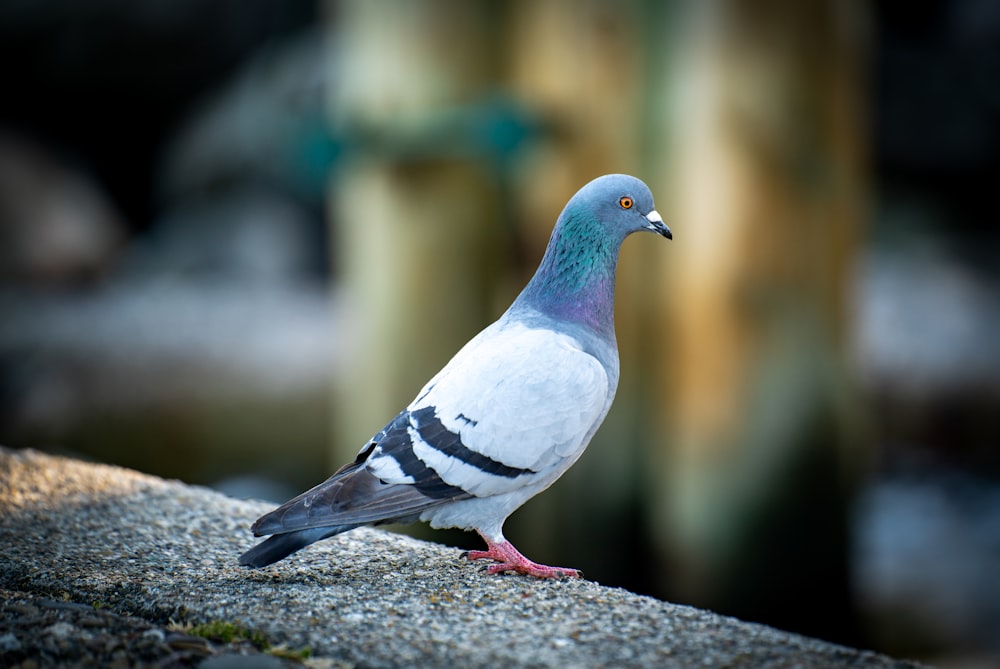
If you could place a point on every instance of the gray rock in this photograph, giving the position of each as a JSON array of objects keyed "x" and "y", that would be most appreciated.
[
  {"x": 234, "y": 661},
  {"x": 163, "y": 550},
  {"x": 9, "y": 643}
]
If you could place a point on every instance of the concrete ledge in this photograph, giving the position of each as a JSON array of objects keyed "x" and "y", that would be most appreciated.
[{"x": 161, "y": 550}]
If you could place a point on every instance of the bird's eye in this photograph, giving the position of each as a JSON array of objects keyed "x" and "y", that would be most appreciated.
[{"x": 625, "y": 202}]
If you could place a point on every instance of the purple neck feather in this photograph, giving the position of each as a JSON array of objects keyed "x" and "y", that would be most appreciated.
[{"x": 575, "y": 281}]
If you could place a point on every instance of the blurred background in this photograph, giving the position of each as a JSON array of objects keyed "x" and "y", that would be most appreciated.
[{"x": 237, "y": 237}]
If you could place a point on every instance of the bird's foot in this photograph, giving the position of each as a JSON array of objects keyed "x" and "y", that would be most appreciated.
[{"x": 510, "y": 559}]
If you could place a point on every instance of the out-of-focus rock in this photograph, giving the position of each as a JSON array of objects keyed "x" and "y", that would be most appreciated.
[
  {"x": 56, "y": 223},
  {"x": 266, "y": 124}
]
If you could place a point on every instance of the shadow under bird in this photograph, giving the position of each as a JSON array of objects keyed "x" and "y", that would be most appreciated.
[{"x": 511, "y": 412}]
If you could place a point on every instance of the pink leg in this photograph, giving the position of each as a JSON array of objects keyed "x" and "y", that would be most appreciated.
[{"x": 510, "y": 559}]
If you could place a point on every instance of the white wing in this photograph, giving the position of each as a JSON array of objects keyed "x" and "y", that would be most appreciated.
[{"x": 515, "y": 405}]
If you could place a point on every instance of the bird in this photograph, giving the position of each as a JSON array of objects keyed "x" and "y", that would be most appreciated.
[{"x": 506, "y": 416}]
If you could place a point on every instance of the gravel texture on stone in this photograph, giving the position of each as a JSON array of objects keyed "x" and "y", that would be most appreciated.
[
  {"x": 128, "y": 544},
  {"x": 43, "y": 632}
]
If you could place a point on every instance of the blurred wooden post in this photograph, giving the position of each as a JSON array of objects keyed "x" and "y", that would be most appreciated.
[
  {"x": 767, "y": 203},
  {"x": 406, "y": 221},
  {"x": 416, "y": 229},
  {"x": 581, "y": 65}
]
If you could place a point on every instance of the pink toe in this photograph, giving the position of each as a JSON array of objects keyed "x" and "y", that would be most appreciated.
[{"x": 509, "y": 558}]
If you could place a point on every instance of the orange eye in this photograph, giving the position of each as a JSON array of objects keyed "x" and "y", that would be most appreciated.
[{"x": 625, "y": 202}]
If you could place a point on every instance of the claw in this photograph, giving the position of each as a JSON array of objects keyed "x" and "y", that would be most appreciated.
[{"x": 510, "y": 559}]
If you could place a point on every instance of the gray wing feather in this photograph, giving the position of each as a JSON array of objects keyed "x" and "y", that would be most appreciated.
[
  {"x": 353, "y": 496},
  {"x": 281, "y": 546}
]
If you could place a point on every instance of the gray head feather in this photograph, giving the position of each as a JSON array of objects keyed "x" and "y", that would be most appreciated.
[{"x": 575, "y": 281}]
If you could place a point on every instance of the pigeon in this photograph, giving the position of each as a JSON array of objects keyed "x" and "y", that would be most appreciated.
[{"x": 508, "y": 414}]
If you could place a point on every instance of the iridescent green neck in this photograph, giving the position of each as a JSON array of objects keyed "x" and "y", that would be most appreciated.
[{"x": 576, "y": 278}]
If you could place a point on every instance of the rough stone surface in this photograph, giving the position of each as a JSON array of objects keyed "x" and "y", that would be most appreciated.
[{"x": 153, "y": 552}]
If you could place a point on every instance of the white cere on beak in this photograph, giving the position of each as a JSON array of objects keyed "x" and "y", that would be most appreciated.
[{"x": 656, "y": 224}]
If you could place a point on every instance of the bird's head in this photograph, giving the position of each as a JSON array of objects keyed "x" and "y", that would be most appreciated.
[
  {"x": 575, "y": 281},
  {"x": 622, "y": 203}
]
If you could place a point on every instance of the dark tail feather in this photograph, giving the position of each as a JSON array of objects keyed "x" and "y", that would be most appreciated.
[{"x": 280, "y": 546}]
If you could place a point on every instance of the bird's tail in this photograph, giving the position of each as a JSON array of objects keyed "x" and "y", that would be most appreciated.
[
  {"x": 280, "y": 546},
  {"x": 350, "y": 498}
]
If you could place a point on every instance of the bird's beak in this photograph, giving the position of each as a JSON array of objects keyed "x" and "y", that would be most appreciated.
[{"x": 657, "y": 225}]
